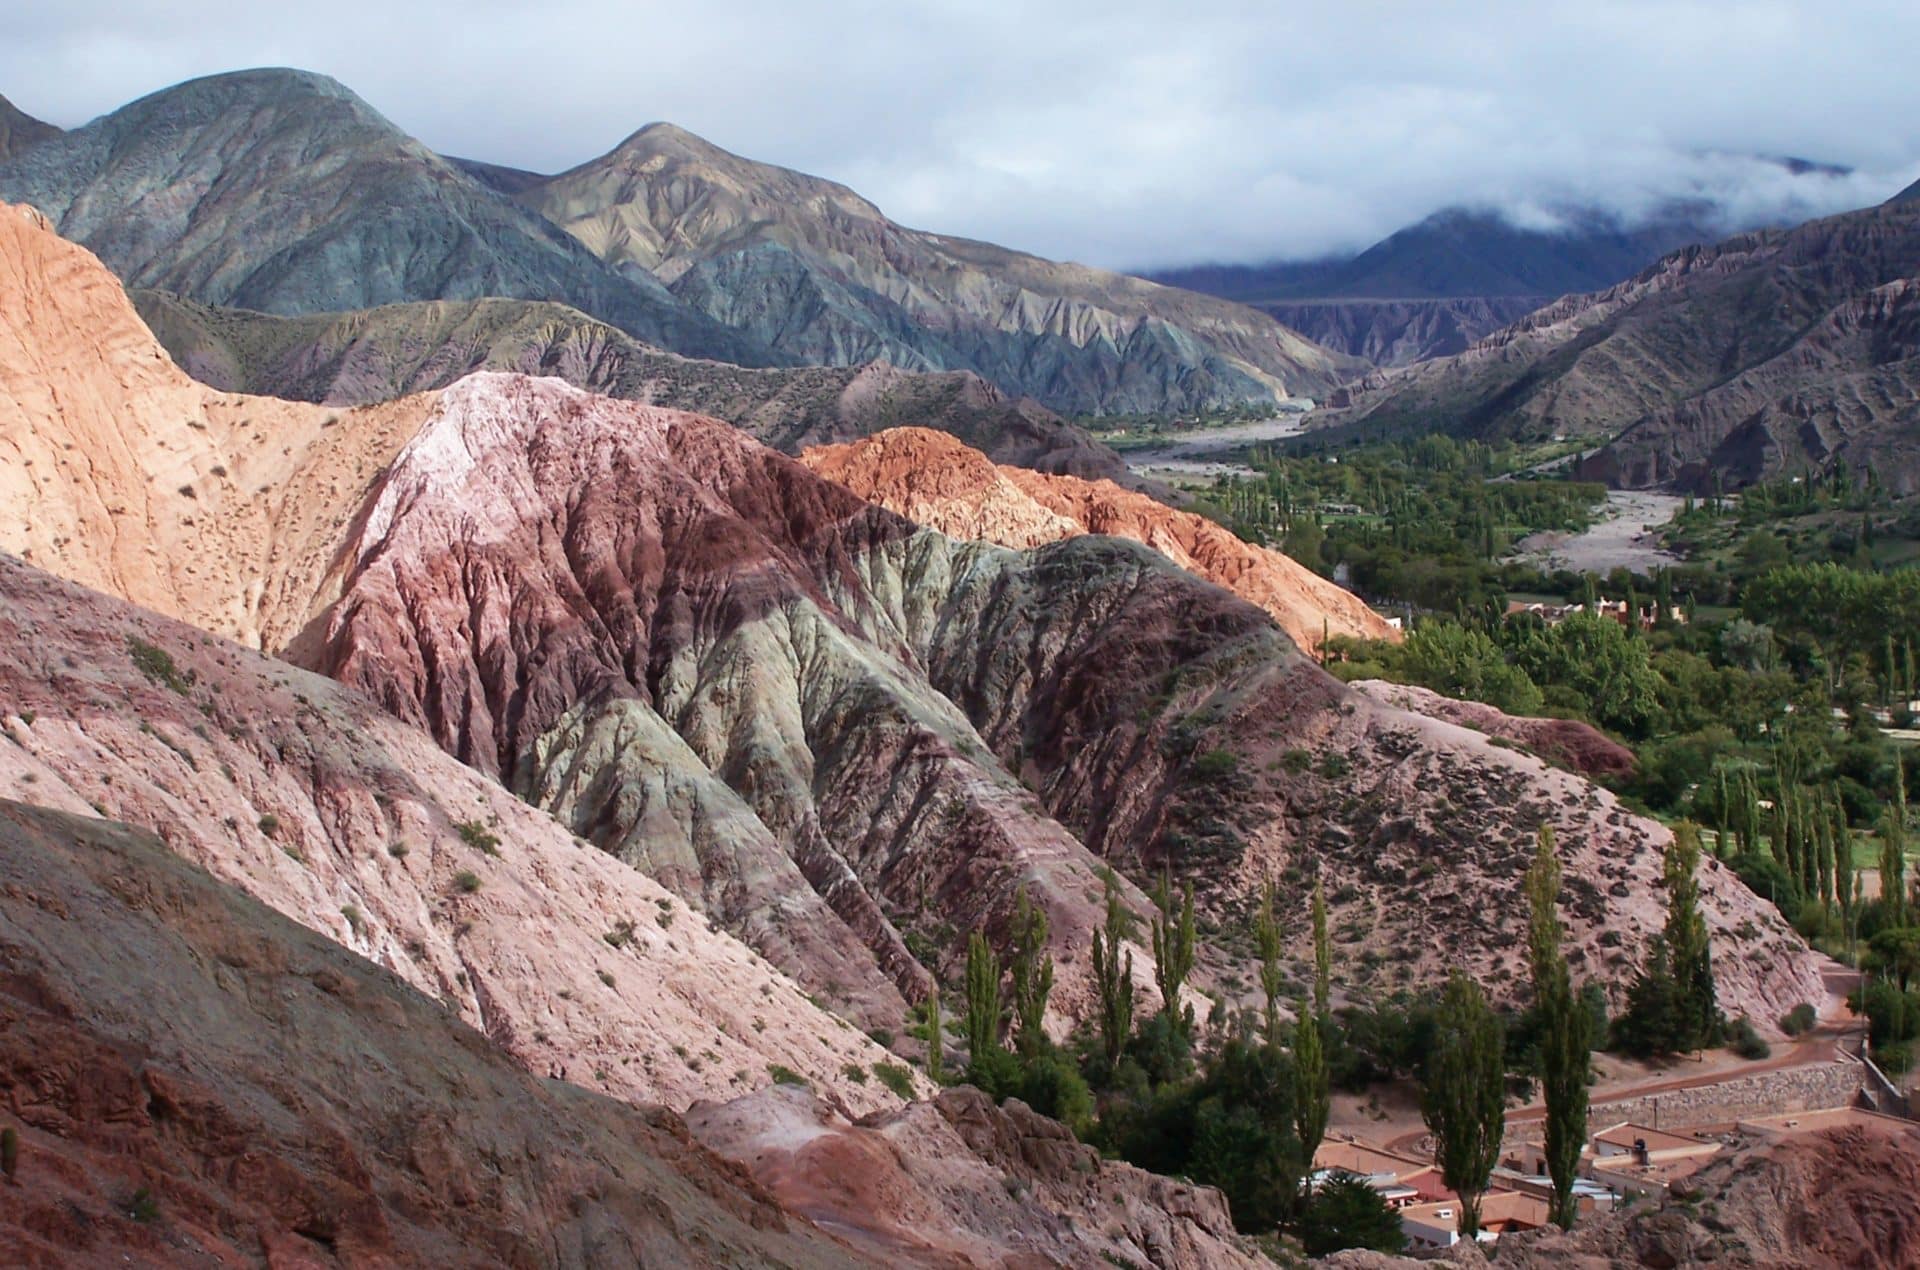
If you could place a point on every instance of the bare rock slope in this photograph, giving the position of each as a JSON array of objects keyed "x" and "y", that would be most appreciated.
[
  {"x": 280, "y": 190},
  {"x": 194, "y": 1079},
  {"x": 318, "y": 804},
  {"x": 812, "y": 269},
  {"x": 1772, "y": 352},
  {"x": 955, "y": 1180},
  {"x": 378, "y": 354},
  {"x": 932, "y": 479}
]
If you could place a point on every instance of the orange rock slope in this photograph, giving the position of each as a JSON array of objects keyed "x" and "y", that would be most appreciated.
[{"x": 932, "y": 478}]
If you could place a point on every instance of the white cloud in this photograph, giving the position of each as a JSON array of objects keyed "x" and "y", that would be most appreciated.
[{"x": 1123, "y": 133}]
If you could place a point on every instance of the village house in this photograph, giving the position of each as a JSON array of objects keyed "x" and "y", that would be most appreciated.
[{"x": 1437, "y": 1225}]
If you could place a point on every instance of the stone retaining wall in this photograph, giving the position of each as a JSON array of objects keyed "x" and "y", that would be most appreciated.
[{"x": 1811, "y": 1088}]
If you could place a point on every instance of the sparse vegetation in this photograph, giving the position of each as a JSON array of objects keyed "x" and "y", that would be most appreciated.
[
  {"x": 479, "y": 837},
  {"x": 896, "y": 1077},
  {"x": 467, "y": 882},
  {"x": 158, "y": 666},
  {"x": 783, "y": 1075}
]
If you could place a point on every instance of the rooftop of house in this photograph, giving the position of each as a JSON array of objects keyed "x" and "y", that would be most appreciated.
[
  {"x": 1498, "y": 1210},
  {"x": 1627, "y": 1134},
  {"x": 1353, "y": 1156},
  {"x": 1795, "y": 1123}
]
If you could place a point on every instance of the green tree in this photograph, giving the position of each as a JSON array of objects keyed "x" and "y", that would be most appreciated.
[
  {"x": 1113, "y": 976},
  {"x": 1893, "y": 853},
  {"x": 1896, "y": 952},
  {"x": 1346, "y": 1212},
  {"x": 1173, "y": 941},
  {"x": 1032, "y": 973},
  {"x": 1565, "y": 1042},
  {"x": 1266, "y": 934},
  {"x": 1322, "y": 954},
  {"x": 983, "y": 998},
  {"x": 1462, "y": 1098},
  {"x": 1311, "y": 1099},
  {"x": 1689, "y": 953},
  {"x": 936, "y": 1037}
]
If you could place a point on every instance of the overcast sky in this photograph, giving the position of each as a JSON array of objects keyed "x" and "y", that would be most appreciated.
[{"x": 1117, "y": 133}]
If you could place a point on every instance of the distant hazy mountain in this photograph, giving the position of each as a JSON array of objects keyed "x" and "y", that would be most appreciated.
[
  {"x": 282, "y": 191},
  {"x": 1432, "y": 288},
  {"x": 813, "y": 270},
  {"x": 1908, "y": 195},
  {"x": 1775, "y": 351},
  {"x": 19, "y": 130}
]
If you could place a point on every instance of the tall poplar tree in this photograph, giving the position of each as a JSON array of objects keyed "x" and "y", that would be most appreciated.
[
  {"x": 1266, "y": 935},
  {"x": 1173, "y": 940},
  {"x": 1322, "y": 954},
  {"x": 1032, "y": 972},
  {"x": 1113, "y": 976},
  {"x": 1689, "y": 954},
  {"x": 1462, "y": 1098},
  {"x": 1566, "y": 1042},
  {"x": 983, "y": 997},
  {"x": 1311, "y": 1098}
]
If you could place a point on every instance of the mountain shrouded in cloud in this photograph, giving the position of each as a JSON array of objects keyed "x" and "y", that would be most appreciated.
[
  {"x": 282, "y": 191},
  {"x": 1128, "y": 135}
]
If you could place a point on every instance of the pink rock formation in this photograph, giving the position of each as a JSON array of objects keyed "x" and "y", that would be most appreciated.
[
  {"x": 309, "y": 799},
  {"x": 935, "y": 480}
]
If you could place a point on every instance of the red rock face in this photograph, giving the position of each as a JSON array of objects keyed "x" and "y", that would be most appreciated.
[
  {"x": 953, "y": 1181},
  {"x": 193, "y": 1079}
]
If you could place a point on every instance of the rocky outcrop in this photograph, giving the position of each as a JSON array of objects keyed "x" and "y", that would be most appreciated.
[
  {"x": 376, "y": 355},
  {"x": 935, "y": 481},
  {"x": 814, "y": 270},
  {"x": 954, "y": 1181},
  {"x": 1774, "y": 352},
  {"x": 19, "y": 130},
  {"x": 281, "y": 191},
  {"x": 190, "y": 1078},
  {"x": 1578, "y": 746},
  {"x": 317, "y": 804}
]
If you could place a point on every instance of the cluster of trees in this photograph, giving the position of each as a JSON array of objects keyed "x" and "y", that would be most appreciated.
[
  {"x": 1420, "y": 521},
  {"x": 1243, "y": 1104}
]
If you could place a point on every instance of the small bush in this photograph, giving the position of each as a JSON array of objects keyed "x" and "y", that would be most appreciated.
[
  {"x": 783, "y": 1075},
  {"x": 398, "y": 850},
  {"x": 1215, "y": 765},
  {"x": 856, "y": 1073},
  {"x": 355, "y": 920},
  {"x": 606, "y": 978},
  {"x": 1799, "y": 1020},
  {"x": 158, "y": 666},
  {"x": 897, "y": 1077},
  {"x": 620, "y": 936},
  {"x": 466, "y": 882},
  {"x": 143, "y": 1207},
  {"x": 1746, "y": 1042},
  {"x": 477, "y": 836}
]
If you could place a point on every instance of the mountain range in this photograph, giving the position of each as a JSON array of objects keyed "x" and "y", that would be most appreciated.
[
  {"x": 281, "y": 191},
  {"x": 1435, "y": 287},
  {"x": 379, "y": 354},
  {"x": 1774, "y": 352},
  {"x": 844, "y": 738}
]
